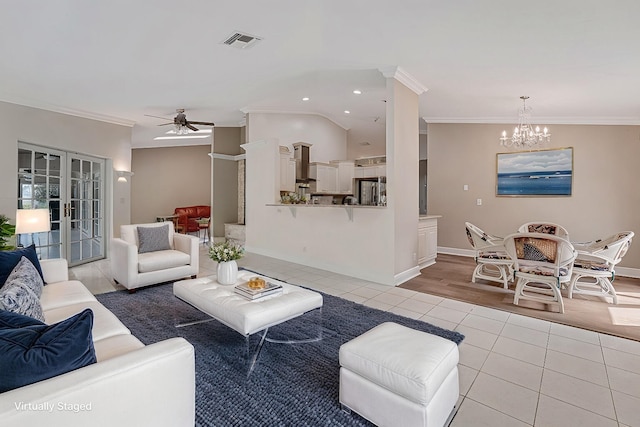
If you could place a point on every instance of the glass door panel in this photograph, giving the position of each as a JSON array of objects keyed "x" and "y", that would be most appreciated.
[
  {"x": 85, "y": 210},
  {"x": 71, "y": 186},
  {"x": 39, "y": 172}
]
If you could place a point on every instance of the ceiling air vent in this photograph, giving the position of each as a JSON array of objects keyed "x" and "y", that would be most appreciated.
[{"x": 241, "y": 40}]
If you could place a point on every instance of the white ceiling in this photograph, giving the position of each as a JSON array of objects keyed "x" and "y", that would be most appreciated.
[{"x": 118, "y": 60}]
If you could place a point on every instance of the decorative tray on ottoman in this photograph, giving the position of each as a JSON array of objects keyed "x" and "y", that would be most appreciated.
[{"x": 257, "y": 287}]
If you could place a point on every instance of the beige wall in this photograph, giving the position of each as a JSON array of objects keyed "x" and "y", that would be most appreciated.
[
  {"x": 167, "y": 178},
  {"x": 225, "y": 178},
  {"x": 605, "y": 195},
  {"x": 68, "y": 133}
]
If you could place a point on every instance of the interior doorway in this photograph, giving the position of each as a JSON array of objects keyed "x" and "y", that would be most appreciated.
[
  {"x": 422, "y": 183},
  {"x": 72, "y": 187}
]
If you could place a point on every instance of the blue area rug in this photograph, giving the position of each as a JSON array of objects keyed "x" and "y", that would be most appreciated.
[{"x": 291, "y": 385}]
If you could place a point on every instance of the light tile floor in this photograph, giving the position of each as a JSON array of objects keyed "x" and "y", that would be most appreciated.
[{"x": 514, "y": 370}]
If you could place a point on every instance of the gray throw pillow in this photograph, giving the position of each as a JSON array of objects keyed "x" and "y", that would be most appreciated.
[
  {"x": 151, "y": 239},
  {"x": 22, "y": 290}
]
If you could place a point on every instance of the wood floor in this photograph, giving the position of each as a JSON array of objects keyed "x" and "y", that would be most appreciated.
[{"x": 450, "y": 277}]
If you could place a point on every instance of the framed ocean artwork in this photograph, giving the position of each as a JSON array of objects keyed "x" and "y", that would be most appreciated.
[{"x": 535, "y": 173}]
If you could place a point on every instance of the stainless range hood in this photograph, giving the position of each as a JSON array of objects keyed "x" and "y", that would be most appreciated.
[{"x": 301, "y": 155}]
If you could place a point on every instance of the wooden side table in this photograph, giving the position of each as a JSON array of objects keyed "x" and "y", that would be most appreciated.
[{"x": 173, "y": 218}]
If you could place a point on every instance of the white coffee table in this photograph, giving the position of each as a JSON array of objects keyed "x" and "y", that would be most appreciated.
[{"x": 244, "y": 316}]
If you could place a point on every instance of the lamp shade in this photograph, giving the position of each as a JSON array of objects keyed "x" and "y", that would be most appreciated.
[
  {"x": 122, "y": 175},
  {"x": 32, "y": 221}
]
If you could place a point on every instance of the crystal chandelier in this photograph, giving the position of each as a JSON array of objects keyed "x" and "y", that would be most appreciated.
[{"x": 524, "y": 135}]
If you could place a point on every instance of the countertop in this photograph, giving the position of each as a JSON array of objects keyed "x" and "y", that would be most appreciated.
[{"x": 293, "y": 205}]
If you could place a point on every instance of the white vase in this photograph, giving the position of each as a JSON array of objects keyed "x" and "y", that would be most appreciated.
[{"x": 227, "y": 272}]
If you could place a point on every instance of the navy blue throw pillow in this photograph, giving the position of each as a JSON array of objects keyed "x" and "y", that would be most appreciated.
[
  {"x": 9, "y": 260},
  {"x": 12, "y": 320},
  {"x": 32, "y": 352}
]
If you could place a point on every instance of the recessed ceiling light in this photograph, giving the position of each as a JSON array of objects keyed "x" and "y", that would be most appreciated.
[
  {"x": 357, "y": 92},
  {"x": 347, "y": 112},
  {"x": 306, "y": 98}
]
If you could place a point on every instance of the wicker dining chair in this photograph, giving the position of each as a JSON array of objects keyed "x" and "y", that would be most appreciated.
[
  {"x": 492, "y": 260},
  {"x": 594, "y": 267},
  {"x": 543, "y": 264},
  {"x": 544, "y": 227}
]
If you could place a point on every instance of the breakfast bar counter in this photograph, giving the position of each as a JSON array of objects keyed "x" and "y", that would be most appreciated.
[{"x": 349, "y": 208}]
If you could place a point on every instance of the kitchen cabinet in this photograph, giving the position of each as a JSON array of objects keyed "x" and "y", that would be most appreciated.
[
  {"x": 427, "y": 240},
  {"x": 287, "y": 173},
  {"x": 325, "y": 176},
  {"x": 346, "y": 173},
  {"x": 370, "y": 171}
]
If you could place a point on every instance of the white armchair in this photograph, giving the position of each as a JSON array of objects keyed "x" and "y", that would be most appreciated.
[{"x": 133, "y": 270}]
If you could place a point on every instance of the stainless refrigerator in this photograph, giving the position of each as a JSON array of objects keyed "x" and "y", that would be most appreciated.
[{"x": 372, "y": 191}]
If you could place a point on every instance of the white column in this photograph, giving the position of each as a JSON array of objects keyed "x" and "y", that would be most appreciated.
[{"x": 403, "y": 155}]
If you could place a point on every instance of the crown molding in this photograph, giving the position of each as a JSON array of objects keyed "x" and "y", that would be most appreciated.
[
  {"x": 251, "y": 145},
  {"x": 274, "y": 110},
  {"x": 68, "y": 111},
  {"x": 170, "y": 143},
  {"x": 405, "y": 78},
  {"x": 603, "y": 121},
  {"x": 227, "y": 156}
]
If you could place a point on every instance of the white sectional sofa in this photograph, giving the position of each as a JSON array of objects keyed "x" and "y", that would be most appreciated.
[{"x": 130, "y": 385}]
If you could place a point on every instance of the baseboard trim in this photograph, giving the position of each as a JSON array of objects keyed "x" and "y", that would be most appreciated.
[
  {"x": 620, "y": 271},
  {"x": 455, "y": 251},
  {"x": 427, "y": 264},
  {"x": 628, "y": 272},
  {"x": 406, "y": 275}
]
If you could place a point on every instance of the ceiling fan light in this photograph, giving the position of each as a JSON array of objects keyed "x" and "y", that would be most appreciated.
[
  {"x": 201, "y": 131},
  {"x": 161, "y": 138},
  {"x": 181, "y": 130}
]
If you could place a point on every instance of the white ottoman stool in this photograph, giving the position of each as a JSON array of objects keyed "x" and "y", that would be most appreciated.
[{"x": 396, "y": 376}]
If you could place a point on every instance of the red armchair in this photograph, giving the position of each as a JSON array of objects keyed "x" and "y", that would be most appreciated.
[{"x": 187, "y": 216}]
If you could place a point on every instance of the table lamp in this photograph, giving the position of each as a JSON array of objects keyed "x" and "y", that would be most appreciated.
[{"x": 30, "y": 221}]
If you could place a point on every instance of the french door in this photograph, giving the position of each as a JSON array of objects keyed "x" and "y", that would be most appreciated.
[{"x": 72, "y": 187}]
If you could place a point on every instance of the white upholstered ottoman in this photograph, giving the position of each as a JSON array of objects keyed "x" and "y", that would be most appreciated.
[
  {"x": 246, "y": 317},
  {"x": 397, "y": 376}
]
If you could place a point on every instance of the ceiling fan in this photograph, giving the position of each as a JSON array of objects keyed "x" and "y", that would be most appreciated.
[{"x": 182, "y": 124}]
